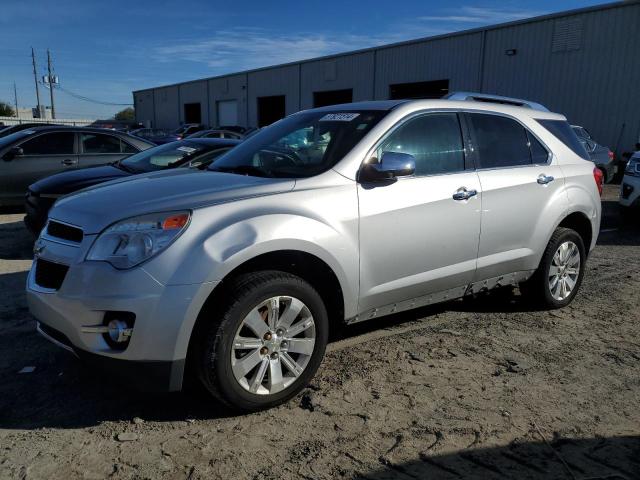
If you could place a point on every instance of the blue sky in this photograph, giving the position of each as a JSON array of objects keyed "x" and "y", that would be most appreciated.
[{"x": 105, "y": 49}]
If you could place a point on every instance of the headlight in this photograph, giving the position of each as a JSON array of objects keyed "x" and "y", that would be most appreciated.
[
  {"x": 132, "y": 241},
  {"x": 633, "y": 167}
]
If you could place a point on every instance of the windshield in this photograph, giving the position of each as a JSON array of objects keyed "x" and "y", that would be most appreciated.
[
  {"x": 164, "y": 156},
  {"x": 301, "y": 145}
]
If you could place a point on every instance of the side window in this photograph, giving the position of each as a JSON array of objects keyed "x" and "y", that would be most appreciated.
[
  {"x": 563, "y": 132},
  {"x": 500, "y": 141},
  {"x": 58, "y": 143},
  {"x": 96, "y": 143},
  {"x": 539, "y": 154},
  {"x": 434, "y": 140},
  {"x": 127, "y": 148}
]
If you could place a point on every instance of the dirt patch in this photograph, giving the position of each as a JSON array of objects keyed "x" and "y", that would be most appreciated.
[{"x": 482, "y": 388}]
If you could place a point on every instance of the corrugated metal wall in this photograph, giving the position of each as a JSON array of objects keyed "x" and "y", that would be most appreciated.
[
  {"x": 274, "y": 81},
  {"x": 454, "y": 58},
  {"x": 594, "y": 82},
  {"x": 585, "y": 65},
  {"x": 353, "y": 71}
]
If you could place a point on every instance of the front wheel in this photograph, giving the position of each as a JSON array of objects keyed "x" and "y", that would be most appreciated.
[
  {"x": 266, "y": 344},
  {"x": 559, "y": 275}
]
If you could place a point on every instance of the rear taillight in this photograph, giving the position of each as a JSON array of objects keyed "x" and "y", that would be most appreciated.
[
  {"x": 599, "y": 178},
  {"x": 611, "y": 155}
]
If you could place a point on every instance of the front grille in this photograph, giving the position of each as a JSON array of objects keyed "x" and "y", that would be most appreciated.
[
  {"x": 49, "y": 274},
  {"x": 65, "y": 232}
]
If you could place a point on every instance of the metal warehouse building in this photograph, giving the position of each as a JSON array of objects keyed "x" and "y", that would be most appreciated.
[{"x": 582, "y": 63}]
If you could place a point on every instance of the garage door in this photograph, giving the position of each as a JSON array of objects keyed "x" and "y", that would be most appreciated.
[{"x": 228, "y": 112}]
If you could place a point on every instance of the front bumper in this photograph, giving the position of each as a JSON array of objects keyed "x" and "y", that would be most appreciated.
[{"x": 164, "y": 315}]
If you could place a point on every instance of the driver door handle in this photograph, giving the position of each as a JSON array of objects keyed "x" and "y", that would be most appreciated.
[
  {"x": 544, "y": 179},
  {"x": 69, "y": 161},
  {"x": 463, "y": 194}
]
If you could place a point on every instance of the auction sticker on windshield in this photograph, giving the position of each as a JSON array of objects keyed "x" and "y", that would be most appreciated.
[
  {"x": 339, "y": 117},
  {"x": 187, "y": 149}
]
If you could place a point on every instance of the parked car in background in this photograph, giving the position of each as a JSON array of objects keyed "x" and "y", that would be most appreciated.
[
  {"x": 150, "y": 134},
  {"x": 192, "y": 153},
  {"x": 32, "y": 154},
  {"x": 180, "y": 133},
  {"x": 240, "y": 272},
  {"x": 216, "y": 134},
  {"x": 600, "y": 155},
  {"x": 630, "y": 188},
  {"x": 23, "y": 126}
]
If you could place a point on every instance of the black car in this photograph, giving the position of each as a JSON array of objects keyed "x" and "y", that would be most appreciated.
[{"x": 190, "y": 153}]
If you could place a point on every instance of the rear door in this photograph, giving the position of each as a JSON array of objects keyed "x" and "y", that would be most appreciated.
[
  {"x": 522, "y": 193},
  {"x": 101, "y": 148},
  {"x": 44, "y": 155}
]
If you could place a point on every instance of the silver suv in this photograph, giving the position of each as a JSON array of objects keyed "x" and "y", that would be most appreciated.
[{"x": 331, "y": 215}]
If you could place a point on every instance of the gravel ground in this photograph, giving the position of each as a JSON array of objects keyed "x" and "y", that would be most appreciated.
[{"x": 481, "y": 388}]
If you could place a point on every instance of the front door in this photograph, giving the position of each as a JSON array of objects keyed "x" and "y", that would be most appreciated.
[{"x": 415, "y": 238}]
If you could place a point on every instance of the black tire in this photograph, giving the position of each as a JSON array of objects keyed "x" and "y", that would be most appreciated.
[
  {"x": 536, "y": 289},
  {"x": 214, "y": 350}
]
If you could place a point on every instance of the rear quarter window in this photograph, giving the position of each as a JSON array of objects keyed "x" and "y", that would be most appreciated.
[{"x": 563, "y": 132}]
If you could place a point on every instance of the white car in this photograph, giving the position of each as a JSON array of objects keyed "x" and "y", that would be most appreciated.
[
  {"x": 336, "y": 214},
  {"x": 630, "y": 187}
]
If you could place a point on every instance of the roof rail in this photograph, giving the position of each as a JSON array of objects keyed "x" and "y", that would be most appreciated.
[{"x": 484, "y": 97}]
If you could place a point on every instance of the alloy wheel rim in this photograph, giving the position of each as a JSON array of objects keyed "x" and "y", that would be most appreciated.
[
  {"x": 273, "y": 345},
  {"x": 564, "y": 270}
]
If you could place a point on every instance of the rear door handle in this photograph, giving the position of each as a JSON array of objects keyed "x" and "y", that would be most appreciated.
[
  {"x": 463, "y": 194},
  {"x": 544, "y": 179},
  {"x": 69, "y": 161}
]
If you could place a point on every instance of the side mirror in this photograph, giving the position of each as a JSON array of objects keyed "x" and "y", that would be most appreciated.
[
  {"x": 13, "y": 153},
  {"x": 390, "y": 166}
]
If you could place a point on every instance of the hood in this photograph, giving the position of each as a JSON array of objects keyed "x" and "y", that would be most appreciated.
[
  {"x": 73, "y": 180},
  {"x": 97, "y": 207}
]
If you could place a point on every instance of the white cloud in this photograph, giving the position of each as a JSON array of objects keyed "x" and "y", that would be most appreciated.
[
  {"x": 246, "y": 48},
  {"x": 481, "y": 15}
]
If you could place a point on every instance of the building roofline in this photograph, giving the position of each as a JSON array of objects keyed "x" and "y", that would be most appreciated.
[{"x": 470, "y": 31}]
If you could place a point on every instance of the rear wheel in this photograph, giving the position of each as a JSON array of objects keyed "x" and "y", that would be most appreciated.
[
  {"x": 559, "y": 275},
  {"x": 266, "y": 344}
]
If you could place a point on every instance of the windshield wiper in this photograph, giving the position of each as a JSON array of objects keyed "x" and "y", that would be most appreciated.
[{"x": 242, "y": 170}]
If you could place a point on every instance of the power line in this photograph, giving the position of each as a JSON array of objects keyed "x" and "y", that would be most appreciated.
[{"x": 91, "y": 100}]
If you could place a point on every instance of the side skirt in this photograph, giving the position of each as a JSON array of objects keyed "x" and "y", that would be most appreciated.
[{"x": 481, "y": 286}]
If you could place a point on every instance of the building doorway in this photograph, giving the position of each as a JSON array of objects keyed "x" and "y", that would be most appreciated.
[
  {"x": 227, "y": 112},
  {"x": 332, "y": 97},
  {"x": 192, "y": 113},
  {"x": 431, "y": 89},
  {"x": 271, "y": 109}
]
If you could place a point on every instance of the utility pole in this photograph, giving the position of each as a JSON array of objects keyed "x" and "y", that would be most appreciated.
[
  {"x": 51, "y": 84},
  {"x": 35, "y": 77},
  {"x": 15, "y": 99}
]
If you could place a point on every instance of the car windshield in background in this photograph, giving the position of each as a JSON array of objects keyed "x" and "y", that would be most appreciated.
[
  {"x": 302, "y": 145},
  {"x": 161, "y": 157}
]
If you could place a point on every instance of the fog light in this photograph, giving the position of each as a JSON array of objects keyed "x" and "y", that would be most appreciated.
[{"x": 119, "y": 332}]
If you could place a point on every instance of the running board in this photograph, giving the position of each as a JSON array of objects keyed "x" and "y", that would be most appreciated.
[{"x": 481, "y": 286}]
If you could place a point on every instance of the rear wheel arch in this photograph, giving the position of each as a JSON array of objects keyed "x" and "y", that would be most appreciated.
[{"x": 580, "y": 223}]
